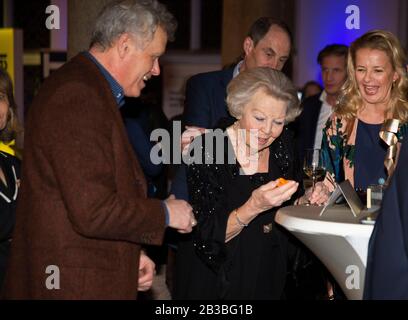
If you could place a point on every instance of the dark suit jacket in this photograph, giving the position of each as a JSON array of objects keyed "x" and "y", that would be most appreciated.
[
  {"x": 83, "y": 205},
  {"x": 387, "y": 262},
  {"x": 205, "y": 98},
  {"x": 305, "y": 124},
  {"x": 142, "y": 146}
]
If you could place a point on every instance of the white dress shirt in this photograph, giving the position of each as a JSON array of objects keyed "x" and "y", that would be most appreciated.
[{"x": 325, "y": 112}]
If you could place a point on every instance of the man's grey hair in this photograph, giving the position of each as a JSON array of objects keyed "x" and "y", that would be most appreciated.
[
  {"x": 274, "y": 83},
  {"x": 139, "y": 18}
]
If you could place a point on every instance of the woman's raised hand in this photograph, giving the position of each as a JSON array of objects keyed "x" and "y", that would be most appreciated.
[
  {"x": 319, "y": 196},
  {"x": 271, "y": 195}
]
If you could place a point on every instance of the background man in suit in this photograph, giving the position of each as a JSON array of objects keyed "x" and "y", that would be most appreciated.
[
  {"x": 387, "y": 261},
  {"x": 83, "y": 212},
  {"x": 317, "y": 109}
]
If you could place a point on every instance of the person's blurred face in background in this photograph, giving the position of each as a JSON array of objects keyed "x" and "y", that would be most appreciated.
[
  {"x": 310, "y": 89},
  {"x": 334, "y": 73}
]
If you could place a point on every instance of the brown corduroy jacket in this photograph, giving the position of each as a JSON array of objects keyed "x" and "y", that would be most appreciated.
[{"x": 82, "y": 213}]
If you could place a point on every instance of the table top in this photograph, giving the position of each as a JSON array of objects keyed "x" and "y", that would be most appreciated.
[
  {"x": 339, "y": 221},
  {"x": 337, "y": 238}
]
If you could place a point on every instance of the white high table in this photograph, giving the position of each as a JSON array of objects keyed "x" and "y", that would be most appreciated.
[{"x": 337, "y": 238}]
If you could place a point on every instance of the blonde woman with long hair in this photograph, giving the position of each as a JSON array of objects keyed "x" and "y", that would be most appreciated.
[{"x": 376, "y": 90}]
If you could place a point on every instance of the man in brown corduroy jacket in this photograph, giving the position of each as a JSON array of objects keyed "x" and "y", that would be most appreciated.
[{"x": 83, "y": 214}]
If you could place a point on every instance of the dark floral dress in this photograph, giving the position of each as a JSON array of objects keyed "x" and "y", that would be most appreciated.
[{"x": 338, "y": 147}]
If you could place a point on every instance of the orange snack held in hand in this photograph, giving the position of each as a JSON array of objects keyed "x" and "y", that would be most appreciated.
[{"x": 281, "y": 182}]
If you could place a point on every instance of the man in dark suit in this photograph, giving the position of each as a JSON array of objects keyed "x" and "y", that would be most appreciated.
[
  {"x": 387, "y": 262},
  {"x": 317, "y": 109},
  {"x": 83, "y": 213}
]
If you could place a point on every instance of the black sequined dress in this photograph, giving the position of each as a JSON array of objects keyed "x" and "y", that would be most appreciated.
[{"x": 253, "y": 265}]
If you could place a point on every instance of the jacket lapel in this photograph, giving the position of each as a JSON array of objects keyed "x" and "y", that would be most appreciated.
[
  {"x": 117, "y": 117},
  {"x": 10, "y": 190}
]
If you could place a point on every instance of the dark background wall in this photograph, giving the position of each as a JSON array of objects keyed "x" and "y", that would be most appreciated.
[
  {"x": 30, "y": 16},
  {"x": 1, "y": 13}
]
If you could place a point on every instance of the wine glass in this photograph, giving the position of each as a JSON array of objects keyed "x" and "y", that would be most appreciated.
[{"x": 313, "y": 166}]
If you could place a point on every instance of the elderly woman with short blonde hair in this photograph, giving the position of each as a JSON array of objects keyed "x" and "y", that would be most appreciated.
[{"x": 237, "y": 251}]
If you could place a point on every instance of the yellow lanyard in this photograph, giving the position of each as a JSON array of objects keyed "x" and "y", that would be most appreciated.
[{"x": 8, "y": 147}]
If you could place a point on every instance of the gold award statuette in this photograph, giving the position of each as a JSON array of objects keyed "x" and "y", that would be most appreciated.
[{"x": 388, "y": 134}]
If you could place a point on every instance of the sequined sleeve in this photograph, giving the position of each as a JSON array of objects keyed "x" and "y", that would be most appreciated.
[{"x": 207, "y": 197}]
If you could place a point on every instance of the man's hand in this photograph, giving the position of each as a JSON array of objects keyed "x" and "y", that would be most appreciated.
[
  {"x": 146, "y": 272},
  {"x": 189, "y": 135},
  {"x": 181, "y": 215}
]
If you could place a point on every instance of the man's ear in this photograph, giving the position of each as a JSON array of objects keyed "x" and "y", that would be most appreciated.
[
  {"x": 122, "y": 45},
  {"x": 248, "y": 45}
]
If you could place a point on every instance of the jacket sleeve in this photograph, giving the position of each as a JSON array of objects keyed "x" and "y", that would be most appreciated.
[
  {"x": 78, "y": 141},
  {"x": 297, "y": 165},
  {"x": 197, "y": 103},
  {"x": 207, "y": 195},
  {"x": 400, "y": 185},
  {"x": 142, "y": 146},
  {"x": 179, "y": 184},
  {"x": 8, "y": 215}
]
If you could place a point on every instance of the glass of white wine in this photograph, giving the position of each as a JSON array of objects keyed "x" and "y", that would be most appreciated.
[{"x": 313, "y": 166}]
